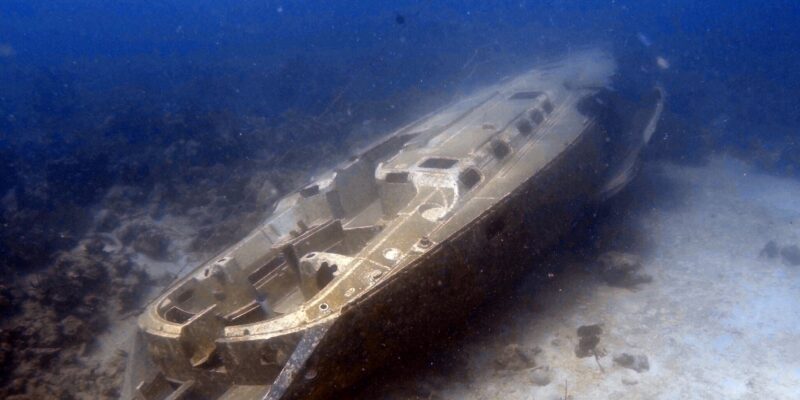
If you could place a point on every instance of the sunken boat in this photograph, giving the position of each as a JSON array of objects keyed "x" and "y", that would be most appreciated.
[{"x": 380, "y": 255}]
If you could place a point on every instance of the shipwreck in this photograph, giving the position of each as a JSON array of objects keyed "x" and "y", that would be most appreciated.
[{"x": 376, "y": 257}]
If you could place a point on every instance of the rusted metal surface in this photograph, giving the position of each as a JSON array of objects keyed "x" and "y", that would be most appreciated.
[{"x": 377, "y": 257}]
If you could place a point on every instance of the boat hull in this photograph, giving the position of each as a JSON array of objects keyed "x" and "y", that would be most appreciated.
[{"x": 413, "y": 310}]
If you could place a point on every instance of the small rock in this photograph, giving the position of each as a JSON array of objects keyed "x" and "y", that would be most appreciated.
[
  {"x": 95, "y": 246},
  {"x": 770, "y": 250},
  {"x": 147, "y": 239},
  {"x": 590, "y": 330},
  {"x": 791, "y": 255},
  {"x": 128, "y": 290},
  {"x": 622, "y": 269},
  {"x": 515, "y": 358},
  {"x": 123, "y": 199},
  {"x": 586, "y": 346},
  {"x": 628, "y": 377},
  {"x": 72, "y": 327},
  {"x": 636, "y": 362},
  {"x": 106, "y": 221},
  {"x": 121, "y": 264},
  {"x": 8, "y": 300},
  {"x": 541, "y": 376},
  {"x": 589, "y": 339},
  {"x": 154, "y": 244},
  {"x": 44, "y": 333},
  {"x": 629, "y": 381}
]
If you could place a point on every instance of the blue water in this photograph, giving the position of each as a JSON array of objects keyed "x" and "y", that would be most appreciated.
[
  {"x": 93, "y": 91},
  {"x": 166, "y": 93},
  {"x": 265, "y": 57}
]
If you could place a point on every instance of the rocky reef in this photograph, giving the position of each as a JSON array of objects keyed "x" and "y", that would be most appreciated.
[{"x": 95, "y": 220}]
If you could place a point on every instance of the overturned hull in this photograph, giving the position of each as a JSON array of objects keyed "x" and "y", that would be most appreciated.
[{"x": 376, "y": 258}]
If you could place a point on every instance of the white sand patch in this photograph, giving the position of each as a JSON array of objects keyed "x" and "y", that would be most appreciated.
[{"x": 717, "y": 322}]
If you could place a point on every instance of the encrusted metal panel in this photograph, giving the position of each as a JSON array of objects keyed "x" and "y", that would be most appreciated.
[
  {"x": 454, "y": 276},
  {"x": 387, "y": 250}
]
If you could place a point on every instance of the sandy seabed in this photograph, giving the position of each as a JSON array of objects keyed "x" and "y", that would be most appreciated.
[{"x": 719, "y": 320}]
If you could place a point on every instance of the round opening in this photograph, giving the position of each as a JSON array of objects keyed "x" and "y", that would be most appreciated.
[
  {"x": 323, "y": 306},
  {"x": 246, "y": 331},
  {"x": 311, "y": 255},
  {"x": 391, "y": 254},
  {"x": 432, "y": 212},
  {"x": 425, "y": 243}
]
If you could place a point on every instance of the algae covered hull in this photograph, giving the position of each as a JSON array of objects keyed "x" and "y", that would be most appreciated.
[{"x": 375, "y": 258}]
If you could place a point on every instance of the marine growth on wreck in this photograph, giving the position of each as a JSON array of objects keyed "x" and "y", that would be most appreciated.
[{"x": 433, "y": 211}]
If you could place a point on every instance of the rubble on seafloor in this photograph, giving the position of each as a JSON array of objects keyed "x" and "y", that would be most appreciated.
[
  {"x": 588, "y": 340},
  {"x": 136, "y": 241},
  {"x": 789, "y": 254},
  {"x": 622, "y": 269},
  {"x": 636, "y": 362},
  {"x": 55, "y": 315},
  {"x": 515, "y": 358}
]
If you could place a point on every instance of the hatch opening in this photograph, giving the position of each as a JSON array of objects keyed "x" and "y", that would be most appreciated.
[
  {"x": 397, "y": 177},
  {"x": 525, "y": 95},
  {"x": 524, "y": 127},
  {"x": 177, "y": 315},
  {"x": 469, "y": 178},
  {"x": 438, "y": 163},
  {"x": 547, "y": 106},
  {"x": 537, "y": 116},
  {"x": 500, "y": 149}
]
